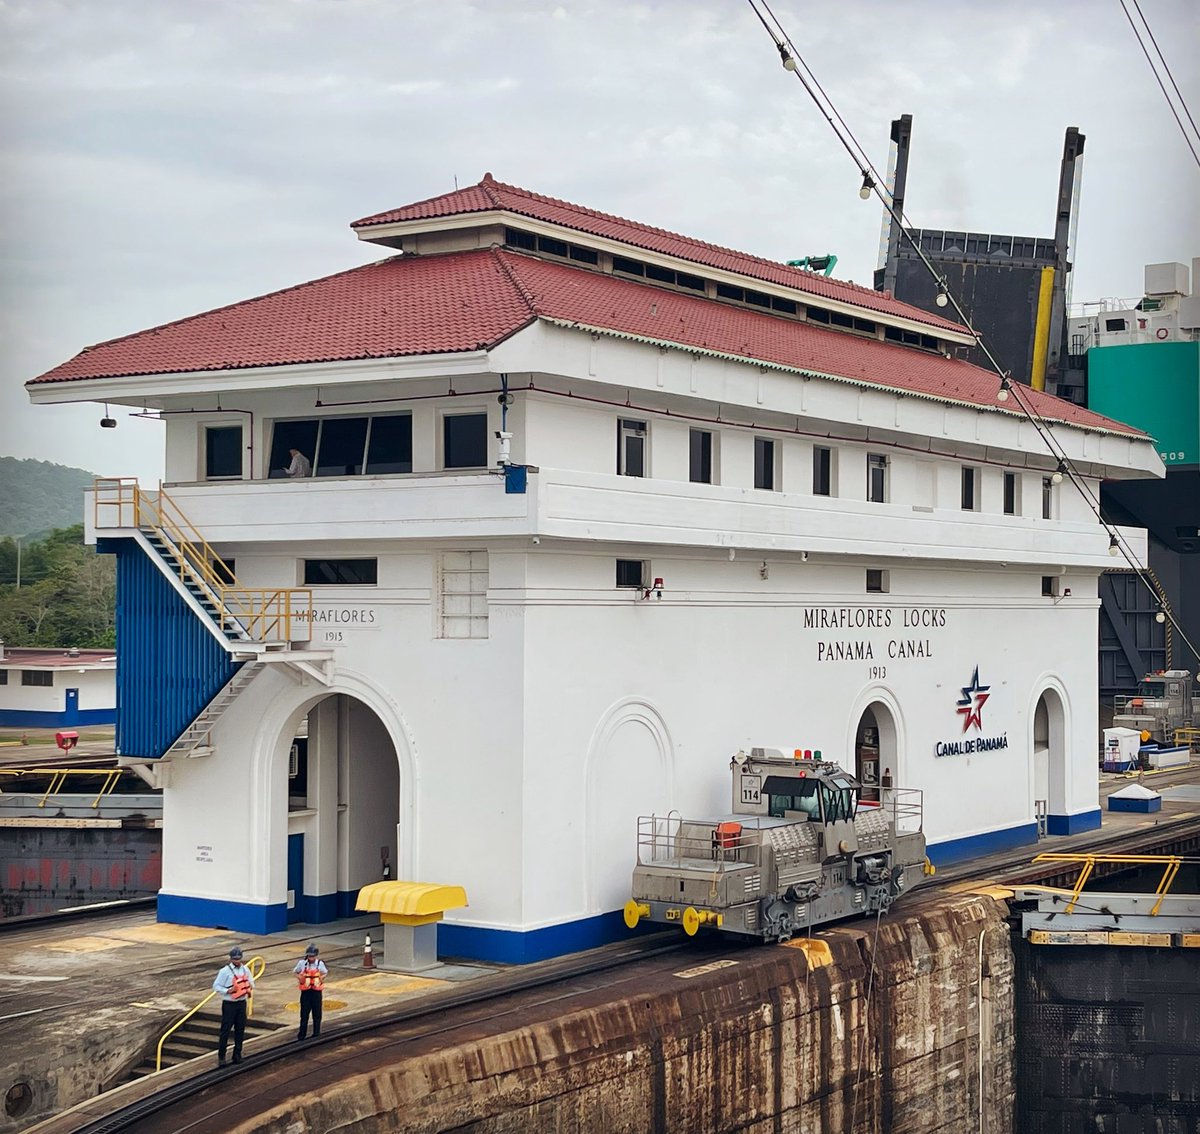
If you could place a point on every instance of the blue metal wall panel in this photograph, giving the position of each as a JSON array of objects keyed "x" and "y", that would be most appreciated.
[{"x": 169, "y": 665}]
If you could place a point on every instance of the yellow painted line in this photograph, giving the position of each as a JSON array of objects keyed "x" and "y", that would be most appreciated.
[
  {"x": 165, "y": 934},
  {"x": 327, "y": 1005},
  {"x": 85, "y": 945},
  {"x": 385, "y": 984},
  {"x": 987, "y": 889}
]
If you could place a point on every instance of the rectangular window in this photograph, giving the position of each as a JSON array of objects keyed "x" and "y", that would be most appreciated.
[
  {"x": 3, "y": 677},
  {"x": 629, "y": 267},
  {"x": 341, "y": 572},
  {"x": 1012, "y": 503},
  {"x": 970, "y": 489},
  {"x": 631, "y": 573},
  {"x": 341, "y": 447},
  {"x": 464, "y": 441},
  {"x": 878, "y": 582},
  {"x": 462, "y": 594},
  {"x": 700, "y": 466},
  {"x": 1050, "y": 585},
  {"x": 222, "y": 452},
  {"x": 1114, "y": 324},
  {"x": 631, "y": 448},
  {"x": 764, "y": 463},
  {"x": 389, "y": 448},
  {"x": 877, "y": 486},
  {"x": 37, "y": 677},
  {"x": 1047, "y": 498},
  {"x": 822, "y": 471}
]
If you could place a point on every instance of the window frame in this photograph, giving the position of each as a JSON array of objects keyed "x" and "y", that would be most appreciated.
[
  {"x": 766, "y": 459},
  {"x": 277, "y": 462},
  {"x": 823, "y": 469},
  {"x": 37, "y": 678},
  {"x": 631, "y": 429},
  {"x": 210, "y": 428},
  {"x": 1012, "y": 494},
  {"x": 444, "y": 440},
  {"x": 1047, "y": 498},
  {"x": 702, "y": 456},
  {"x": 314, "y": 582},
  {"x": 969, "y": 485},
  {"x": 643, "y": 574},
  {"x": 878, "y": 581},
  {"x": 877, "y": 478}
]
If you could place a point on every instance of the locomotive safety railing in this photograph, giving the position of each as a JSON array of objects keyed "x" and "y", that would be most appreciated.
[
  {"x": 905, "y": 808},
  {"x": 720, "y": 843},
  {"x": 185, "y": 1018},
  {"x": 265, "y": 614},
  {"x": 1087, "y": 864}
]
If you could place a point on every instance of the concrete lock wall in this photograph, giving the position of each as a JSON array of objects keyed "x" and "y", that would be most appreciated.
[{"x": 921, "y": 1042}]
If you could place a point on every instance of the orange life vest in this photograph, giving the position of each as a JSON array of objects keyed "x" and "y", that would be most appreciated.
[
  {"x": 241, "y": 987},
  {"x": 311, "y": 979}
]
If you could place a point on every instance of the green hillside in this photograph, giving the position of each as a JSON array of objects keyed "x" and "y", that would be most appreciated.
[{"x": 37, "y": 497}]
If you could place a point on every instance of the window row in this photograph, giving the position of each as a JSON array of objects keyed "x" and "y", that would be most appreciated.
[
  {"x": 632, "y": 437},
  {"x": 30, "y": 676}
]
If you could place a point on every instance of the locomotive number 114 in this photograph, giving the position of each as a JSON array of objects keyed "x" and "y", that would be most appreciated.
[{"x": 751, "y": 789}]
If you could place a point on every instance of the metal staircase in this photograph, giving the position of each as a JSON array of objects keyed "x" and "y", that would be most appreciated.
[
  {"x": 196, "y": 1038},
  {"x": 252, "y": 625}
]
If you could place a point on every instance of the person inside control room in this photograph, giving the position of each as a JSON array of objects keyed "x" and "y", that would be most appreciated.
[
  {"x": 235, "y": 985},
  {"x": 300, "y": 465},
  {"x": 310, "y": 974}
]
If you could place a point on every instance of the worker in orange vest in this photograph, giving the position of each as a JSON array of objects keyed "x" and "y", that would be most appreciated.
[
  {"x": 235, "y": 985},
  {"x": 311, "y": 974}
]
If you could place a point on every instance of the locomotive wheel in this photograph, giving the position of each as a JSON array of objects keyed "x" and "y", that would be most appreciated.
[{"x": 691, "y": 922}]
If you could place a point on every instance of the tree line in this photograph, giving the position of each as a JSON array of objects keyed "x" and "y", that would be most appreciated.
[{"x": 56, "y": 591}]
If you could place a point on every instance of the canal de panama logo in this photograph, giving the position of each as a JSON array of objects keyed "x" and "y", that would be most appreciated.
[{"x": 970, "y": 704}]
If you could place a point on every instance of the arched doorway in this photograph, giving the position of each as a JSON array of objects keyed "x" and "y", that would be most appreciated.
[
  {"x": 1048, "y": 781},
  {"x": 876, "y": 752},
  {"x": 343, "y": 801}
]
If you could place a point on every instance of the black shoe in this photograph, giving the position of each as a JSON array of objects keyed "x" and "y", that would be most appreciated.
[
  {"x": 301, "y": 1038},
  {"x": 237, "y": 1059},
  {"x": 220, "y": 1061}
]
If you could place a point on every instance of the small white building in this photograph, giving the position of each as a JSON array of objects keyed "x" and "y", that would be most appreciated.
[
  {"x": 592, "y": 506},
  {"x": 43, "y": 688}
]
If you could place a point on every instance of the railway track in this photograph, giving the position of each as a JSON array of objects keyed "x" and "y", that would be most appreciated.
[{"x": 217, "y": 1098}]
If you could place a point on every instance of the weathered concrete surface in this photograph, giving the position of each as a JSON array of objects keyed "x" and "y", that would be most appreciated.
[{"x": 890, "y": 1036}]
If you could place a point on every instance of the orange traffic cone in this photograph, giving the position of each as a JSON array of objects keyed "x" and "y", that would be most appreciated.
[{"x": 368, "y": 958}]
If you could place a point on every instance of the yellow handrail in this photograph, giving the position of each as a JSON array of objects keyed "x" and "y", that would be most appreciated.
[
  {"x": 1087, "y": 863},
  {"x": 179, "y": 1023},
  {"x": 265, "y": 613},
  {"x": 58, "y": 777}
]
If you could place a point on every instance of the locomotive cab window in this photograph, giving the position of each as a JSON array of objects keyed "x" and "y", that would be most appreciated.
[
  {"x": 837, "y": 800},
  {"x": 789, "y": 798}
]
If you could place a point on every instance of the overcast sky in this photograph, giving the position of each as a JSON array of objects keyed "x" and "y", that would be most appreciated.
[{"x": 165, "y": 157}]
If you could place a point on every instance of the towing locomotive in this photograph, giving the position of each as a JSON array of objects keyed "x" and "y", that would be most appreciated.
[{"x": 800, "y": 848}]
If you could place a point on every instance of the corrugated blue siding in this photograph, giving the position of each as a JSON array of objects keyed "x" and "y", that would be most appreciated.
[{"x": 169, "y": 665}]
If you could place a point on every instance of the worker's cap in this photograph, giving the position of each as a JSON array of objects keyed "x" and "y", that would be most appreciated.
[
  {"x": 235, "y": 953},
  {"x": 311, "y": 951}
]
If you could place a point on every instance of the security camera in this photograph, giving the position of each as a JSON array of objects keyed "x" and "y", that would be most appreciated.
[
  {"x": 501, "y": 435},
  {"x": 504, "y": 399}
]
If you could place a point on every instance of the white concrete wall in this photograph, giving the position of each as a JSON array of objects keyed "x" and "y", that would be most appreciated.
[{"x": 97, "y": 690}]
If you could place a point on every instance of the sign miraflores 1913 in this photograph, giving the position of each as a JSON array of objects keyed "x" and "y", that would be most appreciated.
[
  {"x": 333, "y": 625},
  {"x": 868, "y": 648}
]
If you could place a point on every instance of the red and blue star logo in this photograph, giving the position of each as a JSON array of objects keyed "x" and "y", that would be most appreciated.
[{"x": 971, "y": 703}]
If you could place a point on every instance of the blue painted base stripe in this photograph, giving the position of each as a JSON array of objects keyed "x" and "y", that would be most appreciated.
[
  {"x": 316, "y": 909},
  {"x": 35, "y": 718},
  {"x": 1073, "y": 824},
  {"x": 975, "y": 846},
  {"x": 511, "y": 947},
  {"x": 241, "y": 917}
]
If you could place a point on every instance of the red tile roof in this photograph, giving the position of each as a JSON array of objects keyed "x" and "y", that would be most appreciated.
[
  {"x": 22, "y": 657},
  {"x": 491, "y": 194},
  {"x": 464, "y": 301}
]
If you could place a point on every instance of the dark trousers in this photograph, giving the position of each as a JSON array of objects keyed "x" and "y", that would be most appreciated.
[
  {"x": 310, "y": 1004},
  {"x": 233, "y": 1019}
]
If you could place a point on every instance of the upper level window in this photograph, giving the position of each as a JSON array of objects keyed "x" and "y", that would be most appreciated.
[
  {"x": 700, "y": 465},
  {"x": 345, "y": 446},
  {"x": 631, "y": 573},
  {"x": 631, "y": 447},
  {"x": 877, "y": 480},
  {"x": 822, "y": 471},
  {"x": 464, "y": 441},
  {"x": 37, "y": 677},
  {"x": 764, "y": 463},
  {"x": 878, "y": 581},
  {"x": 3, "y": 677},
  {"x": 341, "y": 572},
  {"x": 1012, "y": 495},
  {"x": 970, "y": 489},
  {"x": 1047, "y": 498},
  {"x": 1114, "y": 324},
  {"x": 222, "y": 451}
]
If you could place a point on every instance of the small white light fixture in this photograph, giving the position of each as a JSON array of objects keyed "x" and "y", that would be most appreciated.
[
  {"x": 1113, "y": 548},
  {"x": 941, "y": 299},
  {"x": 1161, "y": 616},
  {"x": 867, "y": 186},
  {"x": 1005, "y": 386},
  {"x": 1057, "y": 477}
]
